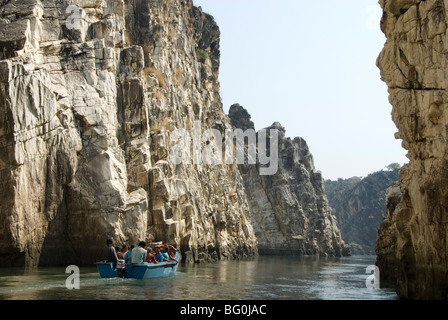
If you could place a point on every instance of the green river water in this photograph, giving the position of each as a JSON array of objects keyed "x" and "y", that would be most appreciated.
[{"x": 261, "y": 278}]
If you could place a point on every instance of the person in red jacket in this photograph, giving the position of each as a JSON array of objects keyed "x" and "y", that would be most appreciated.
[{"x": 150, "y": 258}]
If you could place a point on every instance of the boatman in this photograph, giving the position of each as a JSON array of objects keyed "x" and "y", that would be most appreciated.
[
  {"x": 109, "y": 254},
  {"x": 138, "y": 254}
]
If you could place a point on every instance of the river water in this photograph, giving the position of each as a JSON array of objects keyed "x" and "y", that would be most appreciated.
[{"x": 261, "y": 278}]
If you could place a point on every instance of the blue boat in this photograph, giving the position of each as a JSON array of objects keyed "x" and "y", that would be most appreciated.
[{"x": 139, "y": 271}]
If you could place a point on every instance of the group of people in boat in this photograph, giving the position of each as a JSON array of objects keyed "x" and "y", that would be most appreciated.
[{"x": 155, "y": 253}]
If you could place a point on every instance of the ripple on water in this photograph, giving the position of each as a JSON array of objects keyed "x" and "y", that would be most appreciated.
[{"x": 264, "y": 278}]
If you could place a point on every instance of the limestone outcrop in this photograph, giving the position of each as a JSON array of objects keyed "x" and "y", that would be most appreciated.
[
  {"x": 289, "y": 209},
  {"x": 91, "y": 91},
  {"x": 412, "y": 244}
]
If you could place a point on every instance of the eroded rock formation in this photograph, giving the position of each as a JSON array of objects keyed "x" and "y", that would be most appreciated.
[
  {"x": 412, "y": 244},
  {"x": 289, "y": 209},
  {"x": 97, "y": 98},
  {"x": 90, "y": 92}
]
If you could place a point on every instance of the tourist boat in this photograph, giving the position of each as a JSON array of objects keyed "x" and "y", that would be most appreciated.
[{"x": 138, "y": 271}]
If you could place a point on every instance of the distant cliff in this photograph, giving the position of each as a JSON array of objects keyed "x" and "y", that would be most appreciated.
[
  {"x": 360, "y": 206},
  {"x": 412, "y": 243},
  {"x": 289, "y": 210}
]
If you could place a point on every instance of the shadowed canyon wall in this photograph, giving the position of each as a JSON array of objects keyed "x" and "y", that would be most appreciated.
[
  {"x": 360, "y": 206},
  {"x": 412, "y": 244}
]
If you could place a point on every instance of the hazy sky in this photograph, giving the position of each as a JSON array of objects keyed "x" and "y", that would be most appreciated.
[{"x": 311, "y": 65}]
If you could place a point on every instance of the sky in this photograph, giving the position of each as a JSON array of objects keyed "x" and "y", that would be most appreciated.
[{"x": 311, "y": 65}]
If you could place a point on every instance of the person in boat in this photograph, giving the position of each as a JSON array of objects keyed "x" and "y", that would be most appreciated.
[
  {"x": 109, "y": 254},
  {"x": 124, "y": 249},
  {"x": 139, "y": 253},
  {"x": 127, "y": 256},
  {"x": 159, "y": 255},
  {"x": 150, "y": 258},
  {"x": 119, "y": 253},
  {"x": 172, "y": 253},
  {"x": 165, "y": 253}
]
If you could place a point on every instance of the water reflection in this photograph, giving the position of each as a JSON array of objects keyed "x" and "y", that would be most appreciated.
[{"x": 263, "y": 278}]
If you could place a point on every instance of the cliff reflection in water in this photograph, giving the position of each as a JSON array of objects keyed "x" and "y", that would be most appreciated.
[{"x": 262, "y": 278}]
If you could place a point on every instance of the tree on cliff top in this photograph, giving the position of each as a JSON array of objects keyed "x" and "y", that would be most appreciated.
[{"x": 393, "y": 166}]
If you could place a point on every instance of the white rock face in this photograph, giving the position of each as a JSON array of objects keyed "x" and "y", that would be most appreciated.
[
  {"x": 88, "y": 101},
  {"x": 92, "y": 93}
]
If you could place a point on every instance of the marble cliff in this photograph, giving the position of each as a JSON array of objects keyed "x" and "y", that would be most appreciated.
[
  {"x": 412, "y": 244},
  {"x": 91, "y": 92},
  {"x": 290, "y": 210}
]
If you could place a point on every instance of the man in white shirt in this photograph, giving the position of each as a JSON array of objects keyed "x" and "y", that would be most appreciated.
[{"x": 138, "y": 254}]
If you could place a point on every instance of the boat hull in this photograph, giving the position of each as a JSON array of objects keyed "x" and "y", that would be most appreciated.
[{"x": 139, "y": 271}]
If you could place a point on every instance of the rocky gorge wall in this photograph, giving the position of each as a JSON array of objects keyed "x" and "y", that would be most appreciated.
[
  {"x": 412, "y": 244},
  {"x": 290, "y": 210},
  {"x": 360, "y": 206},
  {"x": 87, "y": 106},
  {"x": 91, "y": 94}
]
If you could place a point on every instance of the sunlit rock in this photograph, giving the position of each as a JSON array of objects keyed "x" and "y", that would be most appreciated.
[{"x": 412, "y": 246}]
